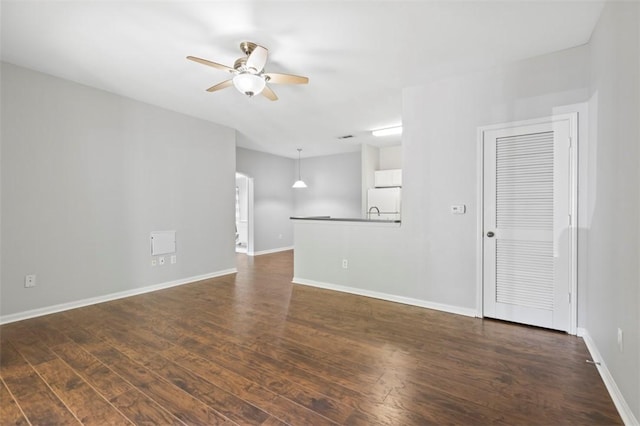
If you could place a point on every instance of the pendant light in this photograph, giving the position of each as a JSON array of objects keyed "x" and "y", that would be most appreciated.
[{"x": 299, "y": 183}]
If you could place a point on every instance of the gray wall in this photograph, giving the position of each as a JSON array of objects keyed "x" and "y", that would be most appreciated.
[
  {"x": 440, "y": 145},
  {"x": 87, "y": 175},
  {"x": 333, "y": 189},
  {"x": 369, "y": 163},
  {"x": 391, "y": 157},
  {"x": 431, "y": 259},
  {"x": 334, "y": 186},
  {"x": 273, "y": 197},
  {"x": 612, "y": 227}
]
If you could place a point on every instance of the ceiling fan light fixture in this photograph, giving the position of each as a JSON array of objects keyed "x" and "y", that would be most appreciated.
[{"x": 249, "y": 84}]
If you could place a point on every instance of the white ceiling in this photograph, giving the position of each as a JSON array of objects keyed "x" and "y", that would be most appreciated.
[{"x": 358, "y": 55}]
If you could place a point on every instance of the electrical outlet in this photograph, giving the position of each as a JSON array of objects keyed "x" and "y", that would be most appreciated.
[
  {"x": 174, "y": 259},
  {"x": 620, "y": 340},
  {"x": 30, "y": 281},
  {"x": 161, "y": 260},
  {"x": 345, "y": 264},
  {"x": 154, "y": 262},
  {"x": 279, "y": 236}
]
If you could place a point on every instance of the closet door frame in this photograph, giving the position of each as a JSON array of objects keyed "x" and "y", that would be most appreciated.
[{"x": 572, "y": 118}]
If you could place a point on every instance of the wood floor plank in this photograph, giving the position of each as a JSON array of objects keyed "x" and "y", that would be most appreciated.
[
  {"x": 309, "y": 360},
  {"x": 140, "y": 409},
  {"x": 316, "y": 401},
  {"x": 335, "y": 386},
  {"x": 38, "y": 403},
  {"x": 224, "y": 402},
  {"x": 445, "y": 410},
  {"x": 178, "y": 402},
  {"x": 136, "y": 406},
  {"x": 30, "y": 346},
  {"x": 475, "y": 385},
  {"x": 279, "y": 407},
  {"x": 11, "y": 362},
  {"x": 87, "y": 404},
  {"x": 252, "y": 370},
  {"x": 273, "y": 421},
  {"x": 92, "y": 370},
  {"x": 10, "y": 412},
  {"x": 252, "y": 348},
  {"x": 48, "y": 335}
]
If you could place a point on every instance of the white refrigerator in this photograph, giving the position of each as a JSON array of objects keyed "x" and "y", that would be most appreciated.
[{"x": 383, "y": 203}]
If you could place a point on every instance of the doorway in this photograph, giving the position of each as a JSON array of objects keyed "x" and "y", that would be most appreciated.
[
  {"x": 244, "y": 214},
  {"x": 527, "y": 221}
]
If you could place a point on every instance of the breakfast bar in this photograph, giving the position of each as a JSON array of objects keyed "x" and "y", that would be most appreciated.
[{"x": 337, "y": 254}]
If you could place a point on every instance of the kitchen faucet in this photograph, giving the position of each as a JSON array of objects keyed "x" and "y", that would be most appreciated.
[{"x": 374, "y": 207}]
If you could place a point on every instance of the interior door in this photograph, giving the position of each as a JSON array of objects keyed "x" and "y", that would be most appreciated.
[{"x": 527, "y": 214}]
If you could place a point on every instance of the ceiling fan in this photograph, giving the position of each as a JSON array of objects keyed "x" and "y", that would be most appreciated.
[{"x": 248, "y": 73}]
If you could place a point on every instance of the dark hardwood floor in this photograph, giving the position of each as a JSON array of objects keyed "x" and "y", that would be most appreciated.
[{"x": 253, "y": 349}]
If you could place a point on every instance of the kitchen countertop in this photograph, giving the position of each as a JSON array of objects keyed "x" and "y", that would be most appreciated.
[{"x": 344, "y": 219}]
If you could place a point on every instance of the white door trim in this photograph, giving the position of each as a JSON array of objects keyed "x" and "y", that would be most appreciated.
[
  {"x": 573, "y": 177},
  {"x": 250, "y": 222}
]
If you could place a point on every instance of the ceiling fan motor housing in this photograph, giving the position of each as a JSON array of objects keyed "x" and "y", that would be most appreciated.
[
  {"x": 247, "y": 47},
  {"x": 240, "y": 64}
]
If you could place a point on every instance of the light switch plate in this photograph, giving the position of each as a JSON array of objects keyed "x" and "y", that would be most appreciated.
[{"x": 458, "y": 209}]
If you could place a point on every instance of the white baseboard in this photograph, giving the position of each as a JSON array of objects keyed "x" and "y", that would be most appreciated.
[
  {"x": 618, "y": 399},
  {"x": 5, "y": 319},
  {"x": 275, "y": 250},
  {"x": 469, "y": 312}
]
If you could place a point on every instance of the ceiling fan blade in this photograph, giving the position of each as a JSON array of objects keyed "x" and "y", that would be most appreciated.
[
  {"x": 257, "y": 58},
  {"x": 210, "y": 63},
  {"x": 277, "y": 78},
  {"x": 269, "y": 94},
  {"x": 220, "y": 86}
]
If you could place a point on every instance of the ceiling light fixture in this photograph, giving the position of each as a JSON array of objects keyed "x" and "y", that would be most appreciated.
[
  {"x": 299, "y": 183},
  {"x": 388, "y": 131},
  {"x": 249, "y": 84}
]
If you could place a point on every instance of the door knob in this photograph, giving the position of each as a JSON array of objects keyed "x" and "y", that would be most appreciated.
[{"x": 490, "y": 234}]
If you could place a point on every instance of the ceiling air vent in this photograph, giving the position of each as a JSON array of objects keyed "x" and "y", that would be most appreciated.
[{"x": 346, "y": 137}]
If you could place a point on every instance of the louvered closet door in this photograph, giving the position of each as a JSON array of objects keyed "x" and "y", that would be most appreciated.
[{"x": 526, "y": 217}]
